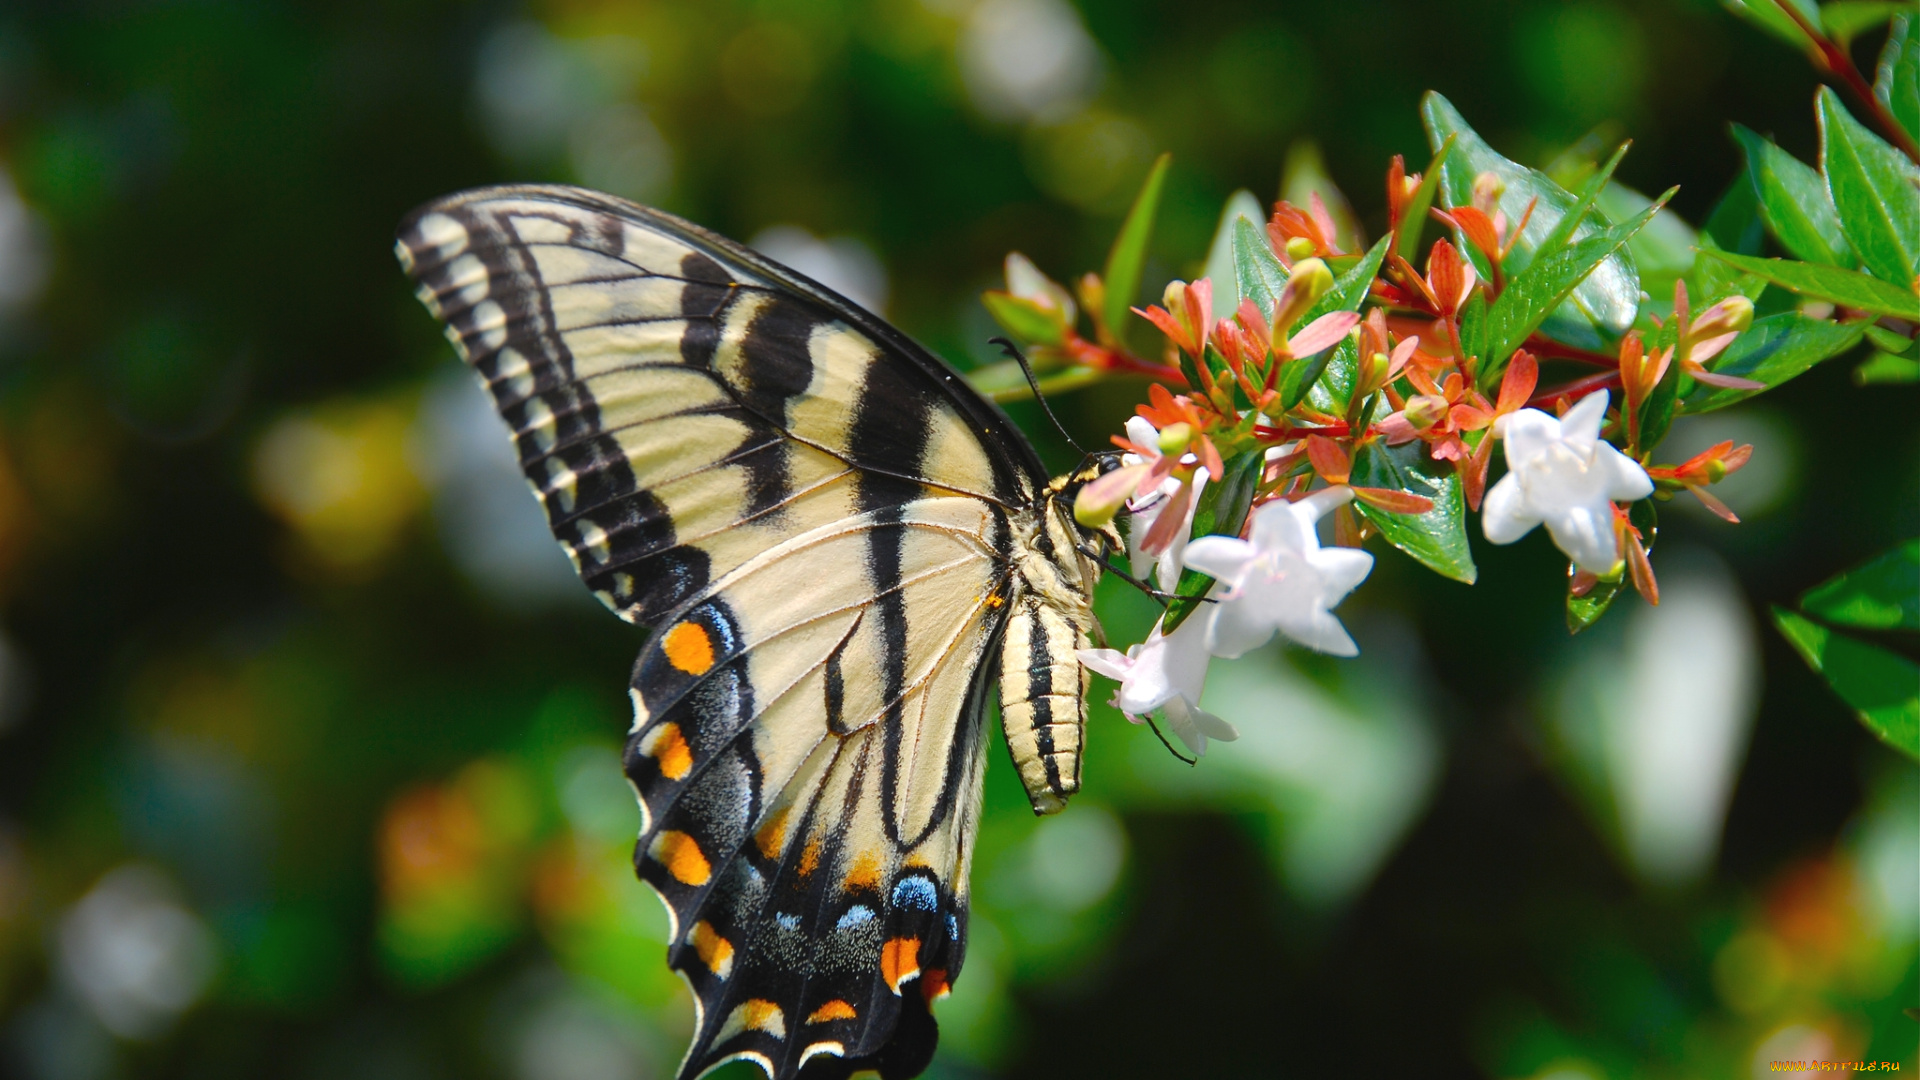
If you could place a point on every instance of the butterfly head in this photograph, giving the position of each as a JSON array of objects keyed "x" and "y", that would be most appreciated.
[{"x": 1066, "y": 487}]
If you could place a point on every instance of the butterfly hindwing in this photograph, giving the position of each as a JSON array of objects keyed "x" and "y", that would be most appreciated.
[{"x": 811, "y": 516}]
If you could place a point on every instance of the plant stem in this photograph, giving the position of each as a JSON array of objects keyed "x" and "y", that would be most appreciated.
[{"x": 1832, "y": 58}]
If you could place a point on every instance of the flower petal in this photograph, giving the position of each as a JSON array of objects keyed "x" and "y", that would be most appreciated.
[
  {"x": 1323, "y": 333},
  {"x": 1112, "y": 663},
  {"x": 1223, "y": 558},
  {"x": 1505, "y": 517}
]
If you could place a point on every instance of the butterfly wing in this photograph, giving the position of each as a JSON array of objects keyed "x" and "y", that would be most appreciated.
[{"x": 811, "y": 515}]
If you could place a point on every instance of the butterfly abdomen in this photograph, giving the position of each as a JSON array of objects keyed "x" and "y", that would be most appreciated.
[
  {"x": 1043, "y": 687},
  {"x": 1043, "y": 701}
]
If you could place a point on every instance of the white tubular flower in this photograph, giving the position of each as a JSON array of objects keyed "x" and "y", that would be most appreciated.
[
  {"x": 1561, "y": 473},
  {"x": 1281, "y": 579},
  {"x": 1147, "y": 507},
  {"x": 1166, "y": 673}
]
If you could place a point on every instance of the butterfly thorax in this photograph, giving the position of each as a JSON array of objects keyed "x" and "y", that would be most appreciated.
[{"x": 1043, "y": 687}]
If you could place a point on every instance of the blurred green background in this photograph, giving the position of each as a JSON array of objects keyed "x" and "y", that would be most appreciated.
[{"x": 308, "y": 738}]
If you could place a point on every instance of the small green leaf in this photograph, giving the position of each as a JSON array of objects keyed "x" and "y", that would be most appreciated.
[
  {"x": 1794, "y": 202},
  {"x": 1773, "y": 350},
  {"x": 1024, "y": 319},
  {"x": 1882, "y": 594},
  {"x": 1846, "y": 287},
  {"x": 1257, "y": 272},
  {"x": 1877, "y": 191},
  {"x": 1897, "y": 83},
  {"x": 1437, "y": 538},
  {"x": 1845, "y": 19},
  {"x": 1584, "y": 611},
  {"x": 1222, "y": 512},
  {"x": 1129, "y": 254},
  {"x": 1888, "y": 341},
  {"x": 1604, "y": 305},
  {"x": 1885, "y": 368},
  {"x": 1767, "y": 15},
  {"x": 1407, "y": 243},
  {"x": 1532, "y": 295},
  {"x": 1883, "y": 688},
  {"x": 1221, "y": 264}
]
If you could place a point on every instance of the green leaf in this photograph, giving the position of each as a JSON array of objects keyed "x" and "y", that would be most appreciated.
[
  {"x": 1437, "y": 538},
  {"x": 1897, "y": 83},
  {"x": 1584, "y": 611},
  {"x": 1025, "y": 319},
  {"x": 1474, "y": 340},
  {"x": 1884, "y": 689},
  {"x": 1766, "y": 15},
  {"x": 1877, "y": 191},
  {"x": 1888, "y": 341},
  {"x": 1886, "y": 368},
  {"x": 1882, "y": 594},
  {"x": 1603, "y": 307},
  {"x": 1774, "y": 350},
  {"x": 1794, "y": 202},
  {"x": 1735, "y": 223},
  {"x": 1664, "y": 249},
  {"x": 1349, "y": 291},
  {"x": 1595, "y": 182},
  {"x": 1845, "y": 19},
  {"x": 1257, "y": 272},
  {"x": 1846, "y": 287},
  {"x": 1532, "y": 295},
  {"x": 1407, "y": 244},
  {"x": 1221, "y": 263},
  {"x": 1222, "y": 512},
  {"x": 1129, "y": 254}
]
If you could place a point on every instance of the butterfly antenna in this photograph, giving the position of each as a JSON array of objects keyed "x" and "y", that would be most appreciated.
[{"x": 1013, "y": 353}]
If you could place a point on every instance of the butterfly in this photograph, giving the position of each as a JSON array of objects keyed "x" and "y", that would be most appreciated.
[{"x": 838, "y": 549}]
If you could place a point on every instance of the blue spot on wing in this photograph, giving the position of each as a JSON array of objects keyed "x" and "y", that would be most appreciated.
[{"x": 915, "y": 892}]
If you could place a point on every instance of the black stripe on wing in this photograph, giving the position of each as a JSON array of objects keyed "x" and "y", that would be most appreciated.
[{"x": 680, "y": 304}]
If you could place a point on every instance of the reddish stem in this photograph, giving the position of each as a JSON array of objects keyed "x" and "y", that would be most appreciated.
[
  {"x": 1578, "y": 388},
  {"x": 1836, "y": 61},
  {"x": 1545, "y": 348}
]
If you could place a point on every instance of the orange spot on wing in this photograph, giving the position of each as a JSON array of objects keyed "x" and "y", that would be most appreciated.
[
  {"x": 934, "y": 984},
  {"x": 772, "y": 835},
  {"x": 715, "y": 951},
  {"x": 832, "y": 1010},
  {"x": 667, "y": 746},
  {"x": 689, "y": 648},
  {"x": 995, "y": 600},
  {"x": 682, "y": 857},
  {"x": 759, "y": 1014},
  {"x": 865, "y": 873},
  {"x": 899, "y": 961},
  {"x": 810, "y": 857}
]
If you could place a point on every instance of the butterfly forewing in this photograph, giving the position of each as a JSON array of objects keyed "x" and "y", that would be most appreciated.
[{"x": 811, "y": 516}]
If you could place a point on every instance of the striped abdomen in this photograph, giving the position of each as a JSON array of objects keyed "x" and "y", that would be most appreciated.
[{"x": 1043, "y": 694}]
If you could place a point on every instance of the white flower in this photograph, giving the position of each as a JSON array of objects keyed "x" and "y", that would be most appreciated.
[
  {"x": 1281, "y": 579},
  {"x": 1146, "y": 508},
  {"x": 1561, "y": 473},
  {"x": 1166, "y": 673}
]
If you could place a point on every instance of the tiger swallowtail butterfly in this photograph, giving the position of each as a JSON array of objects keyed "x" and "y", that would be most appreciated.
[{"x": 833, "y": 543}]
